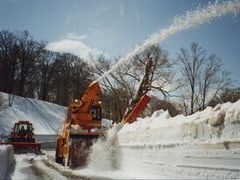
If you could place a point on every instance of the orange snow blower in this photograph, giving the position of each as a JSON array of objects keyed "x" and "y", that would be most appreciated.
[
  {"x": 22, "y": 138},
  {"x": 82, "y": 126}
]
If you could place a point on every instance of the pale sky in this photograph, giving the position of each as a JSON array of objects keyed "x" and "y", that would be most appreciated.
[{"x": 114, "y": 27}]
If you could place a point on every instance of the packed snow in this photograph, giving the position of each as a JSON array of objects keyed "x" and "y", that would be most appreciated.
[
  {"x": 30, "y": 166},
  {"x": 218, "y": 124},
  {"x": 7, "y": 160},
  {"x": 203, "y": 145},
  {"x": 200, "y": 146},
  {"x": 46, "y": 117}
]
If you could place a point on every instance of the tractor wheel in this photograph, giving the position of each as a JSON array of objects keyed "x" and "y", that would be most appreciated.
[{"x": 58, "y": 158}]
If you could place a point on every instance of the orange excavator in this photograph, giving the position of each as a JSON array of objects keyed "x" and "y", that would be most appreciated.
[
  {"x": 22, "y": 138},
  {"x": 82, "y": 126}
]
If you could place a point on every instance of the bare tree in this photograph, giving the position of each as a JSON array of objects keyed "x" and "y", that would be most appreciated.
[
  {"x": 8, "y": 63},
  {"x": 161, "y": 74},
  {"x": 28, "y": 69},
  {"x": 149, "y": 70},
  {"x": 159, "y": 104},
  {"x": 226, "y": 95},
  {"x": 71, "y": 76},
  {"x": 153, "y": 66},
  {"x": 212, "y": 79},
  {"x": 29, "y": 51},
  {"x": 144, "y": 86},
  {"x": 116, "y": 92},
  {"x": 45, "y": 71},
  {"x": 62, "y": 75},
  {"x": 202, "y": 77},
  {"x": 191, "y": 63},
  {"x": 81, "y": 76}
]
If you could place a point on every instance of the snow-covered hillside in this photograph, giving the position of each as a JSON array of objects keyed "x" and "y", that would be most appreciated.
[{"x": 46, "y": 117}]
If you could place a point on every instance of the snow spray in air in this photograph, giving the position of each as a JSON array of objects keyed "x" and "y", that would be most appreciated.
[
  {"x": 190, "y": 19},
  {"x": 105, "y": 151}
]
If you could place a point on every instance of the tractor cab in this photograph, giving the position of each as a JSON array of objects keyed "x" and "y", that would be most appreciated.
[
  {"x": 22, "y": 138},
  {"x": 22, "y": 132}
]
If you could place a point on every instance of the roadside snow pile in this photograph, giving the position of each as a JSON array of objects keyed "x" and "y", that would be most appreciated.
[
  {"x": 7, "y": 159},
  {"x": 221, "y": 123},
  {"x": 205, "y": 145},
  {"x": 46, "y": 117}
]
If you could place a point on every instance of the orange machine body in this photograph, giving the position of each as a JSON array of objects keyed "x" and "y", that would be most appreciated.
[
  {"x": 76, "y": 137},
  {"x": 137, "y": 110},
  {"x": 84, "y": 115},
  {"x": 86, "y": 112}
]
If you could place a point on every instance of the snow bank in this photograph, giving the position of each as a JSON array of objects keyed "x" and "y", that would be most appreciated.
[
  {"x": 204, "y": 145},
  {"x": 46, "y": 117},
  {"x": 7, "y": 159},
  {"x": 216, "y": 124}
]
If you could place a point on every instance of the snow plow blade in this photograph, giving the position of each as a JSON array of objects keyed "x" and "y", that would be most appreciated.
[
  {"x": 22, "y": 138},
  {"x": 24, "y": 147}
]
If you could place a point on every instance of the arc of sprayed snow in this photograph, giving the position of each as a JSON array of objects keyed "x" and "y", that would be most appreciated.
[{"x": 190, "y": 19}]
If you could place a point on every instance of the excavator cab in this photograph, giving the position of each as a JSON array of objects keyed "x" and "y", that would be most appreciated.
[{"x": 96, "y": 111}]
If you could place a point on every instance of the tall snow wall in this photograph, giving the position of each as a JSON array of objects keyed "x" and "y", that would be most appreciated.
[
  {"x": 7, "y": 160},
  {"x": 203, "y": 145}
]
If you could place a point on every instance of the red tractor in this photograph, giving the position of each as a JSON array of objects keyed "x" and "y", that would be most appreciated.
[{"x": 22, "y": 138}]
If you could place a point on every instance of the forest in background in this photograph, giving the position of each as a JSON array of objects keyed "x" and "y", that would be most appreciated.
[{"x": 187, "y": 84}]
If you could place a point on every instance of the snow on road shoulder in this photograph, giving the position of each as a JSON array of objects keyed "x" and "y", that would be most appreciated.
[
  {"x": 31, "y": 166},
  {"x": 92, "y": 173},
  {"x": 23, "y": 166},
  {"x": 46, "y": 172},
  {"x": 7, "y": 159},
  {"x": 213, "y": 124},
  {"x": 203, "y": 145}
]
